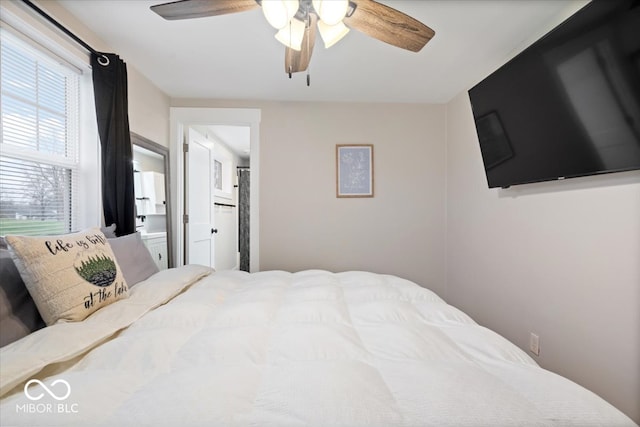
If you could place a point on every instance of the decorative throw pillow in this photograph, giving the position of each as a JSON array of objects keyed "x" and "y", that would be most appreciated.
[
  {"x": 18, "y": 313},
  {"x": 109, "y": 231},
  {"x": 69, "y": 276},
  {"x": 133, "y": 257}
]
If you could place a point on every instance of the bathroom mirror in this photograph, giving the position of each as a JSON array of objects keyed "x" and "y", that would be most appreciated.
[{"x": 152, "y": 194}]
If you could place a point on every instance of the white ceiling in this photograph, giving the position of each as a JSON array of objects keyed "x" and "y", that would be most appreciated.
[
  {"x": 236, "y": 56},
  {"x": 236, "y": 138}
]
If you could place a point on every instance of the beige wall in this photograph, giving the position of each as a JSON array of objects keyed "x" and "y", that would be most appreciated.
[
  {"x": 303, "y": 225},
  {"x": 148, "y": 109},
  {"x": 560, "y": 259}
]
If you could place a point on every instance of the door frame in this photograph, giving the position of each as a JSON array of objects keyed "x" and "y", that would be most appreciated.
[{"x": 181, "y": 118}]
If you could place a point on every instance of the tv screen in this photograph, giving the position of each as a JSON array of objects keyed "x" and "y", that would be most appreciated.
[{"x": 568, "y": 105}]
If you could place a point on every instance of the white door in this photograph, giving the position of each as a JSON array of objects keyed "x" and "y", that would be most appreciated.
[{"x": 200, "y": 227}]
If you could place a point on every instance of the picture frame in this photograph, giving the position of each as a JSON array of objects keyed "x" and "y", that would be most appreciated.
[
  {"x": 217, "y": 174},
  {"x": 354, "y": 170}
]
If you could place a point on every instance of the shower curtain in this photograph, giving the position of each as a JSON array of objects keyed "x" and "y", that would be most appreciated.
[{"x": 243, "y": 217}]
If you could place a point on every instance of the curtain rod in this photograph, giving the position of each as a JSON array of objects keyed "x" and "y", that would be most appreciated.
[{"x": 66, "y": 31}]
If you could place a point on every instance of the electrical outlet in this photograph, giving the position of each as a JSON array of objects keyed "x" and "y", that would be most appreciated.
[{"x": 534, "y": 344}]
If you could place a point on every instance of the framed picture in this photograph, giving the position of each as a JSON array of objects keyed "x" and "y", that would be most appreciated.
[
  {"x": 354, "y": 170},
  {"x": 217, "y": 175}
]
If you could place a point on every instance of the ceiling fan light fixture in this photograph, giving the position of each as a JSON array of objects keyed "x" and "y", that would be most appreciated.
[
  {"x": 291, "y": 35},
  {"x": 279, "y": 12},
  {"x": 332, "y": 34},
  {"x": 331, "y": 11}
]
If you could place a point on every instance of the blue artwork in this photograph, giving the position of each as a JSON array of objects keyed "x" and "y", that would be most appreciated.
[{"x": 355, "y": 174}]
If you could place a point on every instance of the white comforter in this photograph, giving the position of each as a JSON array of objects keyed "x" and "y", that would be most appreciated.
[{"x": 280, "y": 349}]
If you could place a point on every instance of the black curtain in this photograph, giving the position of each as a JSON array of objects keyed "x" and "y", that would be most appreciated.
[{"x": 110, "y": 93}]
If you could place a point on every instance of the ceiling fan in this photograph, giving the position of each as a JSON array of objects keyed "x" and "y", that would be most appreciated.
[{"x": 297, "y": 20}]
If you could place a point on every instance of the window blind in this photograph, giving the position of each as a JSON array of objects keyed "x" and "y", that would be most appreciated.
[{"x": 39, "y": 145}]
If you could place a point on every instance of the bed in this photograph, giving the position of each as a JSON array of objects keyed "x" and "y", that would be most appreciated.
[{"x": 195, "y": 347}]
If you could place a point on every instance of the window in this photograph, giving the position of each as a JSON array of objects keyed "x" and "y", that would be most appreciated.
[{"x": 39, "y": 156}]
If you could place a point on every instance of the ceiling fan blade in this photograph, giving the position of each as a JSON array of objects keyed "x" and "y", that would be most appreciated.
[
  {"x": 187, "y": 9},
  {"x": 298, "y": 60},
  {"x": 389, "y": 25}
]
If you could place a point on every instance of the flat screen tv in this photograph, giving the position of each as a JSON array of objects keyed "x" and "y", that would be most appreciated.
[{"x": 568, "y": 105}]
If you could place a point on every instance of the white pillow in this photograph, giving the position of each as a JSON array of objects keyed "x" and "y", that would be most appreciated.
[{"x": 68, "y": 276}]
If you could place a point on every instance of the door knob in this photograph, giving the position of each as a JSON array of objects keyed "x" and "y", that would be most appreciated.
[{"x": 214, "y": 230}]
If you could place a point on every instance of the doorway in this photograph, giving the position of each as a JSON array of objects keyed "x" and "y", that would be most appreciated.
[
  {"x": 217, "y": 158},
  {"x": 181, "y": 119}
]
